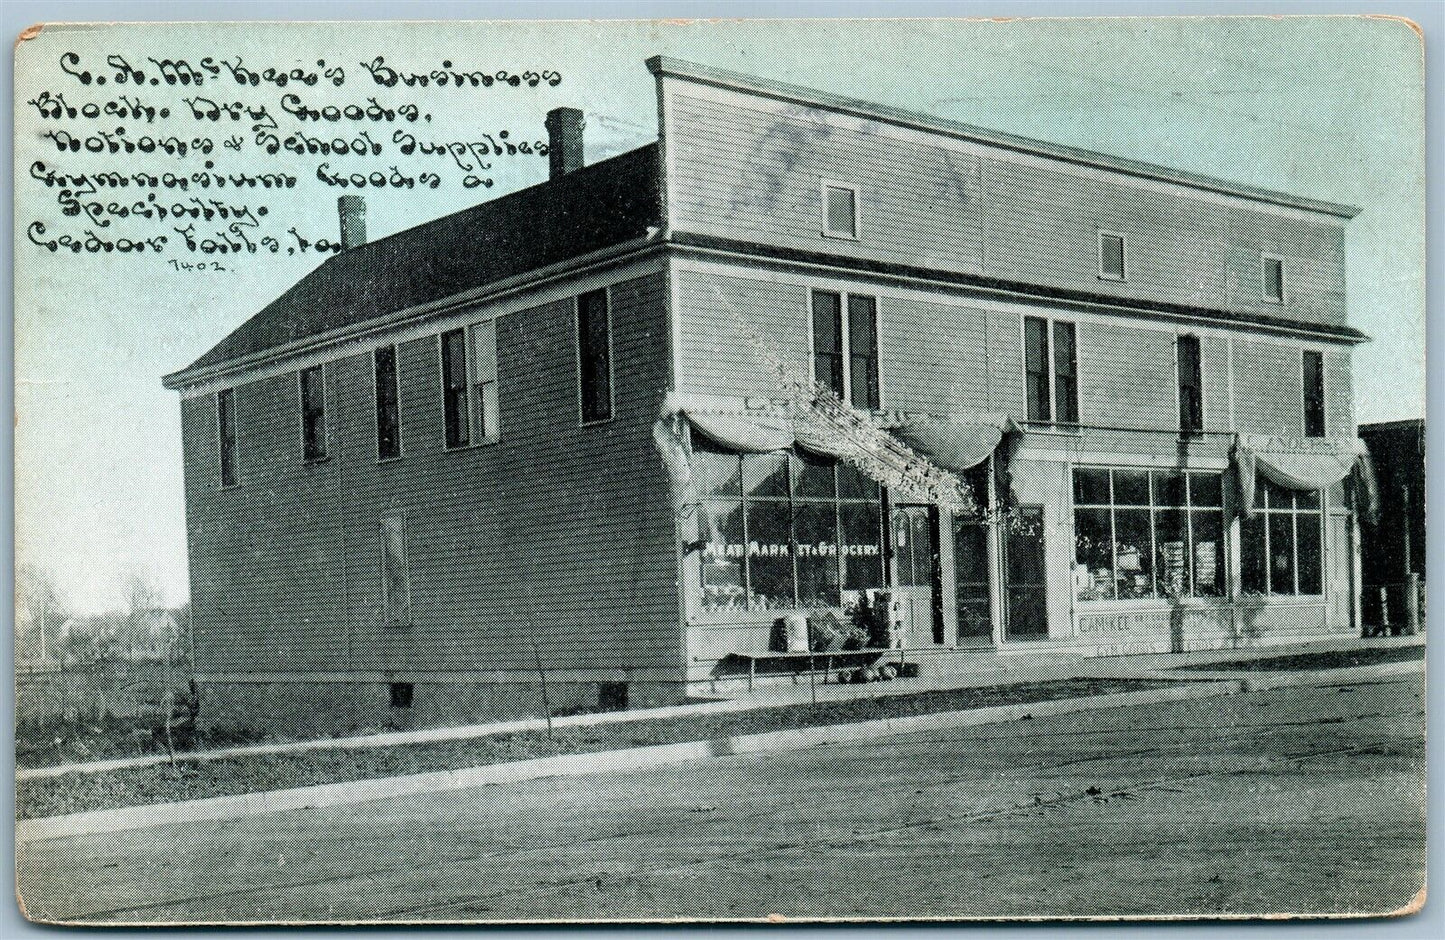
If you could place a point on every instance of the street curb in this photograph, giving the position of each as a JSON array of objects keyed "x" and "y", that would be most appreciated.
[
  {"x": 220, "y": 808},
  {"x": 431, "y": 735}
]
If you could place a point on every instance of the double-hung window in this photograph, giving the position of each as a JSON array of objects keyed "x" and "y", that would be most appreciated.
[
  {"x": 1312, "y": 374},
  {"x": 456, "y": 400},
  {"x": 1272, "y": 279},
  {"x": 1191, "y": 384},
  {"x": 845, "y": 349},
  {"x": 1051, "y": 370},
  {"x": 313, "y": 413},
  {"x": 840, "y": 210},
  {"x": 594, "y": 356},
  {"x": 226, "y": 427},
  {"x": 469, "y": 384},
  {"x": 388, "y": 404},
  {"x": 1147, "y": 534},
  {"x": 1280, "y": 545}
]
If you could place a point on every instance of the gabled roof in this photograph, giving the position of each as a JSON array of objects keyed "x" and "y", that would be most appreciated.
[{"x": 598, "y": 206}]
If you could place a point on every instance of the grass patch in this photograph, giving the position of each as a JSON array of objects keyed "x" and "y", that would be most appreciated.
[
  {"x": 58, "y": 741},
  {"x": 1308, "y": 662},
  {"x": 164, "y": 783}
]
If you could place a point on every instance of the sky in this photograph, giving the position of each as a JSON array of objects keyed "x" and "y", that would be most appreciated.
[{"x": 1329, "y": 108}]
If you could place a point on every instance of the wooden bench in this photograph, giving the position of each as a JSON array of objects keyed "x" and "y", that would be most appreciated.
[{"x": 827, "y": 656}]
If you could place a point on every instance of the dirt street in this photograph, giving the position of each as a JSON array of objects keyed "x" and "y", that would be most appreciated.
[{"x": 1305, "y": 800}]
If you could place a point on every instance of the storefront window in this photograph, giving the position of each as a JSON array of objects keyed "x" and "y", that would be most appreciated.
[
  {"x": 785, "y": 530},
  {"x": 1280, "y": 549},
  {"x": 1147, "y": 534}
]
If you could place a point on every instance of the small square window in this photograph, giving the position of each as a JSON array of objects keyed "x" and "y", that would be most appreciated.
[
  {"x": 840, "y": 210},
  {"x": 401, "y": 694},
  {"x": 1111, "y": 256},
  {"x": 1274, "y": 280}
]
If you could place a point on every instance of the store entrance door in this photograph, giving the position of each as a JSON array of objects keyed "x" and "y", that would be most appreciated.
[
  {"x": 1340, "y": 562},
  {"x": 916, "y": 575},
  {"x": 1025, "y": 580}
]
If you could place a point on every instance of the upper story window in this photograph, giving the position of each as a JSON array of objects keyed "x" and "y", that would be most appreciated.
[
  {"x": 1112, "y": 266},
  {"x": 1273, "y": 279},
  {"x": 1191, "y": 384},
  {"x": 845, "y": 350},
  {"x": 226, "y": 427},
  {"x": 388, "y": 404},
  {"x": 840, "y": 210},
  {"x": 1051, "y": 370},
  {"x": 1312, "y": 369},
  {"x": 470, "y": 409},
  {"x": 313, "y": 413},
  {"x": 594, "y": 355},
  {"x": 456, "y": 403}
]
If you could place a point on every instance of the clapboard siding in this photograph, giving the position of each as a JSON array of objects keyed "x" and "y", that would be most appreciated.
[
  {"x": 1214, "y": 370},
  {"x": 1314, "y": 254},
  {"x": 558, "y": 534},
  {"x": 745, "y": 168},
  {"x": 757, "y": 176},
  {"x": 1268, "y": 388},
  {"x": 933, "y": 357},
  {"x": 1126, "y": 376},
  {"x": 1339, "y": 394},
  {"x": 730, "y": 326},
  {"x": 1043, "y": 227}
]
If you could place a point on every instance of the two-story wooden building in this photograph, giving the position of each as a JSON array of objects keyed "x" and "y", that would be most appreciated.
[{"x": 801, "y": 351}]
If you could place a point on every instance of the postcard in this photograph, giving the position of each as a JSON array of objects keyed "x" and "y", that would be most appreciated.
[{"x": 747, "y": 471}]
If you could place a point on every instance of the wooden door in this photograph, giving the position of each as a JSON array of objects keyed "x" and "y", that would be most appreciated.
[
  {"x": 1339, "y": 573},
  {"x": 916, "y": 574}
]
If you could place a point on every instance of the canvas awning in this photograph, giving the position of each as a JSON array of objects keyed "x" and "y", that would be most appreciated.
[
  {"x": 955, "y": 442},
  {"x": 916, "y": 455},
  {"x": 745, "y": 433},
  {"x": 1297, "y": 463}
]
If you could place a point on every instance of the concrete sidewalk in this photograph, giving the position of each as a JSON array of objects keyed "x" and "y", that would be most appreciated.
[
  {"x": 236, "y": 806},
  {"x": 993, "y": 670}
]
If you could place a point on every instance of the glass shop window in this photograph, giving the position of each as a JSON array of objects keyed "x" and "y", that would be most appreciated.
[
  {"x": 784, "y": 531},
  {"x": 1281, "y": 546},
  {"x": 1147, "y": 534}
]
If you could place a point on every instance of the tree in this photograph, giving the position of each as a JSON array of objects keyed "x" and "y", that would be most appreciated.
[
  {"x": 39, "y": 603},
  {"x": 143, "y": 606}
]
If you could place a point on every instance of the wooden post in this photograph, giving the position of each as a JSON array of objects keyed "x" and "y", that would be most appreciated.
[
  {"x": 1384, "y": 609},
  {"x": 1412, "y": 603}
]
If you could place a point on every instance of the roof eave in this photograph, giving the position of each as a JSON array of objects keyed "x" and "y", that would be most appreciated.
[{"x": 191, "y": 376}]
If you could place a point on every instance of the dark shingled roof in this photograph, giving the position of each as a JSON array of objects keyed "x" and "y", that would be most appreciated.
[{"x": 605, "y": 204}]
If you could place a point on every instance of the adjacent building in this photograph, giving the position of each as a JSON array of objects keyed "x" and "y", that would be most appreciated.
[
  {"x": 801, "y": 354},
  {"x": 1394, "y": 553}
]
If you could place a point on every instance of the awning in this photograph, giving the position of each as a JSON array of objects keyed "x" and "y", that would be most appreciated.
[
  {"x": 955, "y": 442},
  {"x": 745, "y": 433},
  {"x": 914, "y": 455},
  {"x": 1295, "y": 463}
]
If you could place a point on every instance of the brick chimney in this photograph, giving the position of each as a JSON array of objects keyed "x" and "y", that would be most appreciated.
[
  {"x": 564, "y": 140},
  {"x": 352, "y": 210}
]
